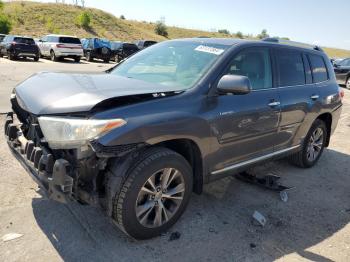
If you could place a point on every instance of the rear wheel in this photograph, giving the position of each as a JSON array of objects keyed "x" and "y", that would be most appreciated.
[
  {"x": 312, "y": 147},
  {"x": 11, "y": 56},
  {"x": 154, "y": 195},
  {"x": 53, "y": 56},
  {"x": 347, "y": 84},
  {"x": 36, "y": 59},
  {"x": 106, "y": 60},
  {"x": 77, "y": 59},
  {"x": 89, "y": 57}
]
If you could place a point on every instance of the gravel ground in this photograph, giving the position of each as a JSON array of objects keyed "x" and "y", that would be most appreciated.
[{"x": 313, "y": 225}]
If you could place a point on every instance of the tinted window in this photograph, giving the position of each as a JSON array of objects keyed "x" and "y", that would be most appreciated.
[
  {"x": 149, "y": 43},
  {"x": 347, "y": 62},
  {"x": 290, "y": 68},
  {"x": 69, "y": 40},
  {"x": 22, "y": 40},
  {"x": 254, "y": 64},
  {"x": 319, "y": 71},
  {"x": 130, "y": 47},
  {"x": 1, "y": 37}
]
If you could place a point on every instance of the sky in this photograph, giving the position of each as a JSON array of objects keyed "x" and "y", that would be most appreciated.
[{"x": 322, "y": 22}]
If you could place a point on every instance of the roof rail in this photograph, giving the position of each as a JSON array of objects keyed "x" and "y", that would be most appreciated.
[{"x": 291, "y": 43}]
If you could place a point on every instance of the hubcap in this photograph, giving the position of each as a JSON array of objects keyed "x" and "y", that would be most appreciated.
[
  {"x": 315, "y": 144},
  {"x": 348, "y": 84},
  {"x": 160, "y": 197}
]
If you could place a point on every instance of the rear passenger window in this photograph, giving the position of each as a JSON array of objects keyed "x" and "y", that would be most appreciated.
[
  {"x": 290, "y": 67},
  {"x": 255, "y": 64},
  {"x": 319, "y": 70}
]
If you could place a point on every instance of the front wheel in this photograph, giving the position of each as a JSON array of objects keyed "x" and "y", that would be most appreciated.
[
  {"x": 11, "y": 56},
  {"x": 312, "y": 147},
  {"x": 77, "y": 59},
  {"x": 154, "y": 195}
]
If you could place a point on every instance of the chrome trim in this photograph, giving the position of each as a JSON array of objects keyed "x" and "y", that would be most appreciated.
[
  {"x": 276, "y": 103},
  {"x": 315, "y": 97},
  {"x": 254, "y": 160},
  {"x": 283, "y": 87}
]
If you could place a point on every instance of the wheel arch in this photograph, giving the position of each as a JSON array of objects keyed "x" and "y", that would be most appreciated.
[
  {"x": 191, "y": 152},
  {"x": 327, "y": 119}
]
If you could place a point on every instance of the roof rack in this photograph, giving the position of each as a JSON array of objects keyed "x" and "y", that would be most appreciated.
[{"x": 291, "y": 43}]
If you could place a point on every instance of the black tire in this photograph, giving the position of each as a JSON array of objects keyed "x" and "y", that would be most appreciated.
[
  {"x": 106, "y": 60},
  {"x": 77, "y": 59},
  {"x": 300, "y": 158},
  {"x": 134, "y": 178},
  {"x": 11, "y": 56},
  {"x": 89, "y": 57},
  {"x": 347, "y": 83},
  {"x": 36, "y": 59},
  {"x": 53, "y": 56}
]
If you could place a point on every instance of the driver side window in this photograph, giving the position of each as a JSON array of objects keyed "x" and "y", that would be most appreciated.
[{"x": 254, "y": 63}]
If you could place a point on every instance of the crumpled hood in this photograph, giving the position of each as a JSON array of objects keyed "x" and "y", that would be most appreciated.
[{"x": 55, "y": 93}]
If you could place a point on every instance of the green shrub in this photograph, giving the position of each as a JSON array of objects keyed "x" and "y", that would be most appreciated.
[
  {"x": 224, "y": 31},
  {"x": 263, "y": 34},
  {"x": 122, "y": 17},
  {"x": 50, "y": 26},
  {"x": 83, "y": 20},
  {"x": 161, "y": 29},
  {"x": 5, "y": 24},
  {"x": 239, "y": 34}
]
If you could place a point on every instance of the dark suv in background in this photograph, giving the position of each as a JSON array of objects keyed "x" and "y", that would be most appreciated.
[
  {"x": 139, "y": 140},
  {"x": 342, "y": 72},
  {"x": 14, "y": 47}
]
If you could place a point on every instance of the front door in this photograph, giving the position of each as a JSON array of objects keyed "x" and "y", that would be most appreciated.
[{"x": 245, "y": 126}]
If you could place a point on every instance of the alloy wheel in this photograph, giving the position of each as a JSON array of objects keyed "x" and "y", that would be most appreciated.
[
  {"x": 348, "y": 84},
  {"x": 160, "y": 197},
  {"x": 315, "y": 144}
]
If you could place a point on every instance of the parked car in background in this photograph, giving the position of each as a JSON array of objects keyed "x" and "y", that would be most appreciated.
[
  {"x": 126, "y": 50},
  {"x": 139, "y": 140},
  {"x": 115, "y": 46},
  {"x": 342, "y": 72},
  {"x": 97, "y": 48},
  {"x": 61, "y": 46},
  {"x": 2, "y": 36},
  {"x": 14, "y": 46},
  {"x": 141, "y": 44},
  {"x": 336, "y": 60}
]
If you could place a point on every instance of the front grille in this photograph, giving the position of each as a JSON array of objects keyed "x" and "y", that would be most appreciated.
[{"x": 119, "y": 150}]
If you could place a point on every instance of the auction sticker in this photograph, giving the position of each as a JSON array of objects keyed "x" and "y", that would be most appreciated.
[{"x": 209, "y": 49}]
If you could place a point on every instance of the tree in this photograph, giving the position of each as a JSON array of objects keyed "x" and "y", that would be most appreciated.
[
  {"x": 263, "y": 34},
  {"x": 239, "y": 34},
  {"x": 83, "y": 20},
  {"x": 161, "y": 29},
  {"x": 122, "y": 17},
  {"x": 224, "y": 31},
  {"x": 5, "y": 24}
]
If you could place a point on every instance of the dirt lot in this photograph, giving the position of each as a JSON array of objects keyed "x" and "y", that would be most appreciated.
[{"x": 313, "y": 225}]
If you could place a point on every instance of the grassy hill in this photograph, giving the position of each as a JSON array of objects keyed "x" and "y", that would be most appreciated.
[{"x": 38, "y": 19}]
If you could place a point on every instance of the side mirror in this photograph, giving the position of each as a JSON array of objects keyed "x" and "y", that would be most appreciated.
[
  {"x": 234, "y": 84},
  {"x": 335, "y": 65}
]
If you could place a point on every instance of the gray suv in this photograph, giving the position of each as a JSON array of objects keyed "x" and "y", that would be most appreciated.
[{"x": 138, "y": 140}]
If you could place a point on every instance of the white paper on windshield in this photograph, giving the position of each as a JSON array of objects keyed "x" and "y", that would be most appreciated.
[{"x": 209, "y": 49}]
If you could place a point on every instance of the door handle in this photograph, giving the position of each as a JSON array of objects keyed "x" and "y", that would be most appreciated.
[
  {"x": 315, "y": 97},
  {"x": 274, "y": 103}
]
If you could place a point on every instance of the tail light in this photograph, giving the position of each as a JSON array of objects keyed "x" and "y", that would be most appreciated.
[
  {"x": 60, "y": 46},
  {"x": 13, "y": 43},
  {"x": 341, "y": 93}
]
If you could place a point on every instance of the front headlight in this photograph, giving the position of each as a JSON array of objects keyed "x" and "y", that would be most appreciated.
[{"x": 67, "y": 133}]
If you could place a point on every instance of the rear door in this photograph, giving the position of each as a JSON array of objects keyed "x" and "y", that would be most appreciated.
[
  {"x": 299, "y": 95},
  {"x": 246, "y": 125},
  {"x": 69, "y": 44}
]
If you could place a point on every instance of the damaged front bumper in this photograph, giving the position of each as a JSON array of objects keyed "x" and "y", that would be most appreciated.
[{"x": 52, "y": 175}]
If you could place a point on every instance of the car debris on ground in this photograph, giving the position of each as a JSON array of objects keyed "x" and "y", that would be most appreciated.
[
  {"x": 11, "y": 236},
  {"x": 259, "y": 218}
]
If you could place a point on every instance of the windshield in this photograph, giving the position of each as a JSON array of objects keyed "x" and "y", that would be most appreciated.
[{"x": 174, "y": 63}]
